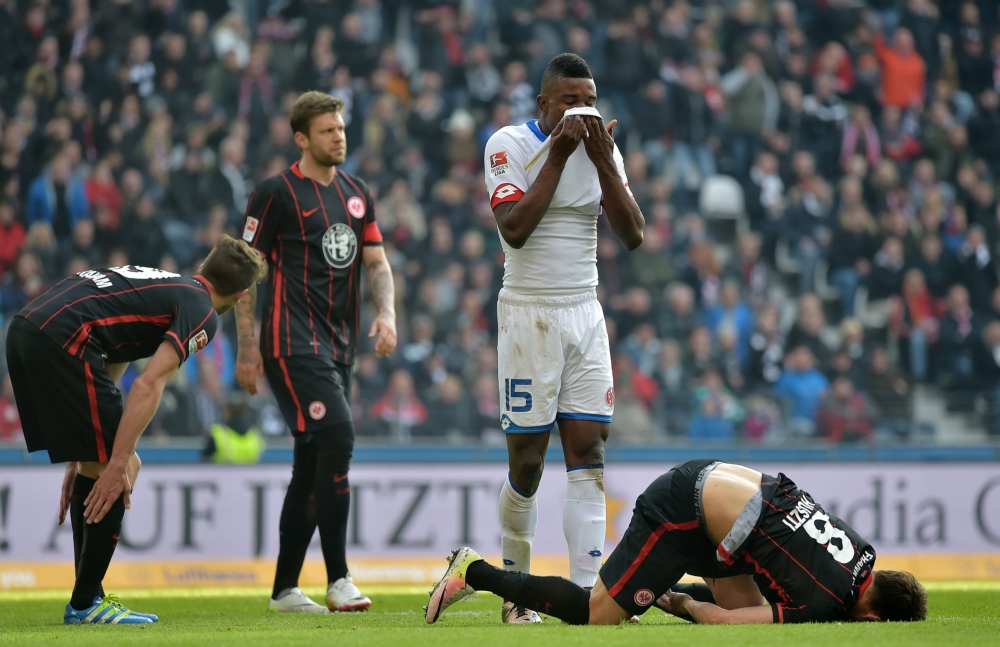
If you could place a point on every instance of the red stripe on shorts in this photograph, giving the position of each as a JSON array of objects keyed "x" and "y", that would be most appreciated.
[
  {"x": 95, "y": 418},
  {"x": 648, "y": 548}
]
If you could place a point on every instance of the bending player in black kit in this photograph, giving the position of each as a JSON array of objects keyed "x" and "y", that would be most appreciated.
[
  {"x": 315, "y": 225},
  {"x": 65, "y": 351},
  {"x": 754, "y": 538}
]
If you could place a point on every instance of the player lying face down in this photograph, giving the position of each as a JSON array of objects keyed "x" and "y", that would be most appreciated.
[
  {"x": 754, "y": 538},
  {"x": 65, "y": 351}
]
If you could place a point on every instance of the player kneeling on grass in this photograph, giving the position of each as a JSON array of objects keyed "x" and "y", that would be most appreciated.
[
  {"x": 65, "y": 351},
  {"x": 754, "y": 538}
]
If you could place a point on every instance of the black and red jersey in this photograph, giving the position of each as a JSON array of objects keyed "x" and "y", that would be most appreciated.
[
  {"x": 312, "y": 236},
  {"x": 810, "y": 565},
  {"x": 121, "y": 314}
]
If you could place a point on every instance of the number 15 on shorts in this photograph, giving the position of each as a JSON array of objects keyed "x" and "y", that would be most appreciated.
[{"x": 521, "y": 399}]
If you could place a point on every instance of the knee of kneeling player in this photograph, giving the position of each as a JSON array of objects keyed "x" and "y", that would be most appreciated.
[{"x": 603, "y": 608}]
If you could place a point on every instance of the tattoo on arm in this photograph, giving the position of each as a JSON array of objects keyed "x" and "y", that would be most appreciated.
[
  {"x": 381, "y": 286},
  {"x": 246, "y": 311}
]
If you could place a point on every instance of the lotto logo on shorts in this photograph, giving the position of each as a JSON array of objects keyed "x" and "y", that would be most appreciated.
[
  {"x": 644, "y": 597},
  {"x": 317, "y": 410},
  {"x": 197, "y": 342},
  {"x": 609, "y": 397},
  {"x": 356, "y": 207}
]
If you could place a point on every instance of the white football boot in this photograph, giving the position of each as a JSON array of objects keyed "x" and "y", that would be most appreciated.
[
  {"x": 511, "y": 614},
  {"x": 343, "y": 595},
  {"x": 295, "y": 601}
]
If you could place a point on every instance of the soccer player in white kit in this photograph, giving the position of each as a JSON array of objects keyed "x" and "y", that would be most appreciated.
[{"x": 547, "y": 192}]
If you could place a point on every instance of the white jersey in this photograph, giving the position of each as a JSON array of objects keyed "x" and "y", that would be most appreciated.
[{"x": 560, "y": 256}]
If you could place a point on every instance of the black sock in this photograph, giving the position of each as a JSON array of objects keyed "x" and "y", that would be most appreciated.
[
  {"x": 298, "y": 518},
  {"x": 552, "y": 596},
  {"x": 699, "y": 592},
  {"x": 98, "y": 546},
  {"x": 81, "y": 489},
  {"x": 333, "y": 503}
]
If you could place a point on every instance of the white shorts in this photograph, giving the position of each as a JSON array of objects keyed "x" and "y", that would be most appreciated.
[{"x": 554, "y": 361}]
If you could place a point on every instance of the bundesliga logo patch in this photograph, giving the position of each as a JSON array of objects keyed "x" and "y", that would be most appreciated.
[
  {"x": 197, "y": 342},
  {"x": 250, "y": 230},
  {"x": 498, "y": 163}
]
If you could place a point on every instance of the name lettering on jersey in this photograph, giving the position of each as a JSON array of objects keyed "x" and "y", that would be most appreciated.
[
  {"x": 140, "y": 272},
  {"x": 866, "y": 557},
  {"x": 250, "y": 229},
  {"x": 340, "y": 245},
  {"x": 800, "y": 514},
  {"x": 498, "y": 163},
  {"x": 99, "y": 279},
  {"x": 356, "y": 207},
  {"x": 199, "y": 341}
]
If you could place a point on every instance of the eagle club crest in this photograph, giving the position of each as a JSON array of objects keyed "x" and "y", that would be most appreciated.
[
  {"x": 340, "y": 245},
  {"x": 644, "y": 597},
  {"x": 196, "y": 343},
  {"x": 356, "y": 207},
  {"x": 317, "y": 410}
]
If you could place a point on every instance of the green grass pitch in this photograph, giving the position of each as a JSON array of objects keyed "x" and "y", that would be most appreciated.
[{"x": 960, "y": 614}]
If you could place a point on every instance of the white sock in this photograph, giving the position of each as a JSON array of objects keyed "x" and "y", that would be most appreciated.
[
  {"x": 584, "y": 523},
  {"x": 518, "y": 518}
]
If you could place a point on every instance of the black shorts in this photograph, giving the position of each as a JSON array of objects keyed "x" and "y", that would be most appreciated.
[
  {"x": 312, "y": 392},
  {"x": 67, "y": 406},
  {"x": 664, "y": 541}
]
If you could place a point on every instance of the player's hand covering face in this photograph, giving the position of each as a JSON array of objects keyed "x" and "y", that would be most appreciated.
[
  {"x": 599, "y": 143},
  {"x": 566, "y": 137}
]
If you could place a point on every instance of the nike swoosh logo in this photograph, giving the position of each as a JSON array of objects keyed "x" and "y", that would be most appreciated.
[
  {"x": 306, "y": 214},
  {"x": 337, "y": 478}
]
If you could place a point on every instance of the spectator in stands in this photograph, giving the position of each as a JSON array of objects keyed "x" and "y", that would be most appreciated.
[
  {"x": 692, "y": 153},
  {"x": 826, "y": 115},
  {"x": 975, "y": 268},
  {"x": 988, "y": 373},
  {"x": 449, "y": 412},
  {"x": 717, "y": 412},
  {"x": 850, "y": 255},
  {"x": 892, "y": 394},
  {"x": 802, "y": 387},
  {"x": 702, "y": 273},
  {"x": 937, "y": 267},
  {"x": 845, "y": 414},
  {"x": 915, "y": 322},
  {"x": 806, "y": 223},
  {"x": 807, "y": 328},
  {"x": 886, "y": 278},
  {"x": 26, "y": 284},
  {"x": 399, "y": 410},
  {"x": 733, "y": 311},
  {"x": 904, "y": 73},
  {"x": 12, "y": 237},
  {"x": 766, "y": 351},
  {"x": 749, "y": 269},
  {"x": 959, "y": 342},
  {"x": 674, "y": 390},
  {"x": 10, "y": 421},
  {"x": 752, "y": 103},
  {"x": 58, "y": 198},
  {"x": 860, "y": 138}
]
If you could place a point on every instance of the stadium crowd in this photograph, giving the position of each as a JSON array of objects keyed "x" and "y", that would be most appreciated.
[{"x": 865, "y": 137}]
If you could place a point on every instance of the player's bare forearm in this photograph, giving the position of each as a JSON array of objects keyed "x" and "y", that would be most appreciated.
[
  {"x": 246, "y": 311},
  {"x": 518, "y": 220},
  {"x": 623, "y": 212},
  {"x": 624, "y": 215},
  {"x": 383, "y": 295},
  {"x": 706, "y": 613},
  {"x": 380, "y": 285}
]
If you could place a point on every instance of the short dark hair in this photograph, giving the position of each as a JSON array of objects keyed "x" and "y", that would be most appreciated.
[
  {"x": 897, "y": 596},
  {"x": 310, "y": 105},
  {"x": 565, "y": 66},
  {"x": 232, "y": 266}
]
